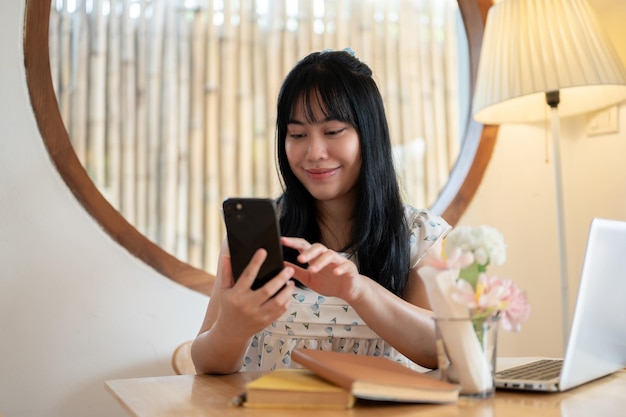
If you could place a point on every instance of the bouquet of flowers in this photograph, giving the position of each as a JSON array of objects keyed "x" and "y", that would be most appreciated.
[{"x": 471, "y": 250}]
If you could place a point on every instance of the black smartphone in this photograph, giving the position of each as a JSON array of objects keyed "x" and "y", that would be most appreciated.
[{"x": 251, "y": 224}]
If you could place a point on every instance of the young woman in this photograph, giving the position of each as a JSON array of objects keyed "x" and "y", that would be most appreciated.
[{"x": 350, "y": 242}]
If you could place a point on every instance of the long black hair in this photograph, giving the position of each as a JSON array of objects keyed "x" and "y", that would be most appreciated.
[{"x": 347, "y": 92}]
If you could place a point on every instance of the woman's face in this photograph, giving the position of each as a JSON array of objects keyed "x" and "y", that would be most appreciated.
[{"x": 324, "y": 155}]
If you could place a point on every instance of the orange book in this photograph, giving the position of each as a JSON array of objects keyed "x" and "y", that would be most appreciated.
[{"x": 376, "y": 378}]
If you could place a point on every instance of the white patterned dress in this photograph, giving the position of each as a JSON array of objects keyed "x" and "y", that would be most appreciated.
[{"x": 314, "y": 321}]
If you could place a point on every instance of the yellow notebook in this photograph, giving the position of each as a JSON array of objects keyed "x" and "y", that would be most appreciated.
[{"x": 295, "y": 388}]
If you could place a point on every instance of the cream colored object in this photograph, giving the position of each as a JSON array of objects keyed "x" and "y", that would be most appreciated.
[
  {"x": 531, "y": 47},
  {"x": 181, "y": 359},
  {"x": 467, "y": 361}
]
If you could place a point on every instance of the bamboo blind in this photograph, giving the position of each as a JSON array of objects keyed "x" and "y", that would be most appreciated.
[{"x": 170, "y": 104}]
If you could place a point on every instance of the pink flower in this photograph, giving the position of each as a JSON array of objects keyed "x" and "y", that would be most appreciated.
[
  {"x": 464, "y": 295},
  {"x": 494, "y": 297},
  {"x": 516, "y": 309}
]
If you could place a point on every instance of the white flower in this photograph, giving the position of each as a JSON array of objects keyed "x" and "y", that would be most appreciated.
[{"x": 484, "y": 242}]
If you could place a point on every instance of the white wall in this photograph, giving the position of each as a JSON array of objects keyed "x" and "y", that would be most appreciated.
[{"x": 76, "y": 309}]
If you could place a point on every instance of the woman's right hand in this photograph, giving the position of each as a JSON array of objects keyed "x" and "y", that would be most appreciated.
[
  {"x": 236, "y": 312},
  {"x": 245, "y": 311}
]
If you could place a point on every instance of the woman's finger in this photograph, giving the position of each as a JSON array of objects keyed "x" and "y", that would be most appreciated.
[
  {"x": 273, "y": 286},
  {"x": 326, "y": 258},
  {"x": 300, "y": 274},
  {"x": 316, "y": 252},
  {"x": 227, "y": 273},
  {"x": 296, "y": 243},
  {"x": 346, "y": 267}
]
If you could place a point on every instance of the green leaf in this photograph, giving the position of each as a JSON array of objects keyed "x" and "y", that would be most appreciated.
[{"x": 470, "y": 274}]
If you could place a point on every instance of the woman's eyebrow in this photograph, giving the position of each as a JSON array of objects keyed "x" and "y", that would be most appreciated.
[{"x": 325, "y": 120}]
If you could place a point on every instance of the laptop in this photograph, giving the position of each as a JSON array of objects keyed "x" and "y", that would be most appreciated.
[{"x": 597, "y": 342}]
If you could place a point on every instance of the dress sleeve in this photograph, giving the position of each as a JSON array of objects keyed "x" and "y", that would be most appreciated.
[{"x": 425, "y": 228}]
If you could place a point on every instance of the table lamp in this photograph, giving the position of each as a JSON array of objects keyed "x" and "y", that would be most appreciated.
[{"x": 540, "y": 57}]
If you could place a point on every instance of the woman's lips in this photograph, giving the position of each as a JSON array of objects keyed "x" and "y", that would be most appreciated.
[{"x": 321, "y": 173}]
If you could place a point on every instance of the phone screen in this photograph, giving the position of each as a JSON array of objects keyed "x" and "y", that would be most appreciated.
[{"x": 251, "y": 224}]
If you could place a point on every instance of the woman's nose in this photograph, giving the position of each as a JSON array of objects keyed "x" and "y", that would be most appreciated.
[{"x": 317, "y": 148}]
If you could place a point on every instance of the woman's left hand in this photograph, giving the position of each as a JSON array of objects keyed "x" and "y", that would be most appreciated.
[{"x": 328, "y": 273}]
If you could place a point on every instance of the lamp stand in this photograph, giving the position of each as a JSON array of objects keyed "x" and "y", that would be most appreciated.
[{"x": 553, "y": 99}]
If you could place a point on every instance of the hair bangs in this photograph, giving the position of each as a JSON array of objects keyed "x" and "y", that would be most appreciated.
[{"x": 328, "y": 94}]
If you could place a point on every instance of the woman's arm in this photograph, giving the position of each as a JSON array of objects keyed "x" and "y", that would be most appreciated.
[
  {"x": 235, "y": 313},
  {"x": 406, "y": 326}
]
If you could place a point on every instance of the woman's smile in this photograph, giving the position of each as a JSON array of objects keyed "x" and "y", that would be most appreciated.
[{"x": 319, "y": 174}]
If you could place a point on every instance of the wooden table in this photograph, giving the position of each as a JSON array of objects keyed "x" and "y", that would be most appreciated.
[{"x": 208, "y": 396}]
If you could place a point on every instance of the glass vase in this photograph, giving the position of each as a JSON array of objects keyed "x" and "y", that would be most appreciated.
[{"x": 466, "y": 353}]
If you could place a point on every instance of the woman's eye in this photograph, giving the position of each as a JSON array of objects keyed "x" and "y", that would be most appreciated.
[
  {"x": 295, "y": 135},
  {"x": 335, "y": 131}
]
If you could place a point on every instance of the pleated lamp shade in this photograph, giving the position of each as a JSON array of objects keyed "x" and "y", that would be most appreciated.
[{"x": 531, "y": 47}]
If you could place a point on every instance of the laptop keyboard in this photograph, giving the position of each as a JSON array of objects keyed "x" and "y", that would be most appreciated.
[{"x": 544, "y": 369}]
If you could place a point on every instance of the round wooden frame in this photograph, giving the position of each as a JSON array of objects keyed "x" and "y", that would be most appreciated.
[{"x": 452, "y": 202}]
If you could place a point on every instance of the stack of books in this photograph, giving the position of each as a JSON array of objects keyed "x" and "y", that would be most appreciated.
[{"x": 337, "y": 380}]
